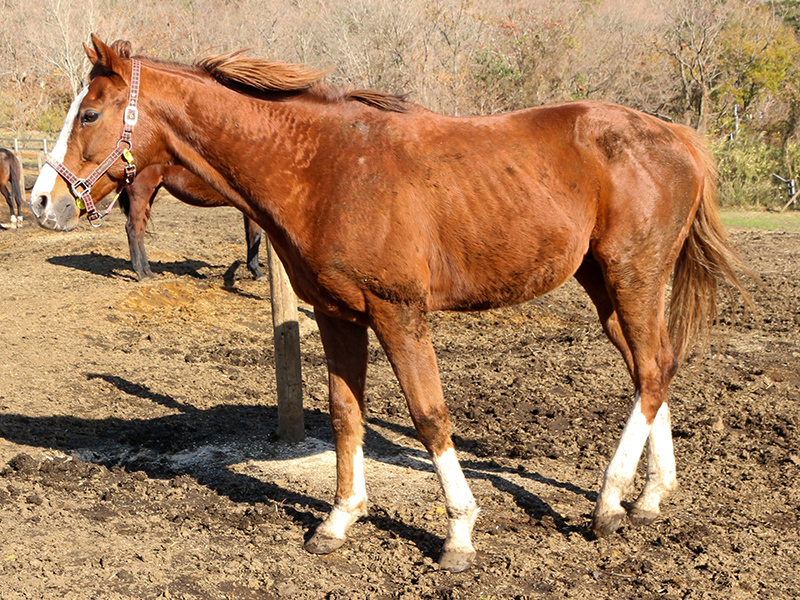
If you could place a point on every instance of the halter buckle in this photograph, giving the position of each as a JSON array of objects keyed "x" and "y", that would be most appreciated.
[{"x": 130, "y": 173}]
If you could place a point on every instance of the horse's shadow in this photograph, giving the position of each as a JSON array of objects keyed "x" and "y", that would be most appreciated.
[
  {"x": 150, "y": 445},
  {"x": 115, "y": 268},
  {"x": 111, "y": 267}
]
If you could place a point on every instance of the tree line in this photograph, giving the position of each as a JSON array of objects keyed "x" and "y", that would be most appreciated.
[{"x": 726, "y": 67}]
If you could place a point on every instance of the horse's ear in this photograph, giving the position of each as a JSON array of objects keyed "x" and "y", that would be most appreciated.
[
  {"x": 90, "y": 53},
  {"x": 107, "y": 59}
]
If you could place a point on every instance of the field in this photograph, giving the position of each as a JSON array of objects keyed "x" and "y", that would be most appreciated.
[{"x": 138, "y": 454}]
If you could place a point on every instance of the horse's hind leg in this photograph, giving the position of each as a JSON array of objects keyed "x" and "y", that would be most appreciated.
[
  {"x": 403, "y": 332},
  {"x": 345, "y": 347},
  {"x": 638, "y": 330},
  {"x": 10, "y": 201},
  {"x": 661, "y": 474},
  {"x": 252, "y": 234}
]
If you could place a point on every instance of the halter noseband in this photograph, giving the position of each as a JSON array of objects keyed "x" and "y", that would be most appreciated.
[{"x": 82, "y": 188}]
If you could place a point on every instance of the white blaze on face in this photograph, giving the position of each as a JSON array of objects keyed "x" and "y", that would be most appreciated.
[{"x": 47, "y": 176}]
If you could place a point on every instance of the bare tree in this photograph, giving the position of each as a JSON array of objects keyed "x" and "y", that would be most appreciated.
[
  {"x": 55, "y": 40},
  {"x": 706, "y": 58}
]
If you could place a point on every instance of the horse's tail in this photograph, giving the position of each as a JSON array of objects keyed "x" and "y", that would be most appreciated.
[
  {"x": 706, "y": 261},
  {"x": 124, "y": 202},
  {"x": 15, "y": 179}
]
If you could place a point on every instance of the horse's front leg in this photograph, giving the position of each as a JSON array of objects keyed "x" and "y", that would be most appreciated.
[
  {"x": 403, "y": 332},
  {"x": 345, "y": 347},
  {"x": 140, "y": 198}
]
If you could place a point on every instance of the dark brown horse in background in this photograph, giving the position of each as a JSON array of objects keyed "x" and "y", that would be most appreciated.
[
  {"x": 136, "y": 200},
  {"x": 382, "y": 211},
  {"x": 11, "y": 184}
]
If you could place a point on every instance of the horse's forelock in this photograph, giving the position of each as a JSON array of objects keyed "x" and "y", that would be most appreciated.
[{"x": 122, "y": 48}]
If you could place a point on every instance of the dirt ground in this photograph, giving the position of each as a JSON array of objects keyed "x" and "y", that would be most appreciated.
[{"x": 139, "y": 459}]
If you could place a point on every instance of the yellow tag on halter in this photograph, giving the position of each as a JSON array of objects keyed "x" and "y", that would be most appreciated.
[
  {"x": 79, "y": 202},
  {"x": 126, "y": 154}
]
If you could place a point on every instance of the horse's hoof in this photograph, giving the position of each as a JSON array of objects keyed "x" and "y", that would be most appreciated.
[
  {"x": 456, "y": 562},
  {"x": 606, "y": 524},
  {"x": 323, "y": 544},
  {"x": 640, "y": 517}
]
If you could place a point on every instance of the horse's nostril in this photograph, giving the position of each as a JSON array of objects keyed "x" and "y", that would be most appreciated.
[{"x": 39, "y": 203}]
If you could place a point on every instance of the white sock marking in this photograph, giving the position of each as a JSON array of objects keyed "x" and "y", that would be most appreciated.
[
  {"x": 461, "y": 508},
  {"x": 622, "y": 468},
  {"x": 661, "y": 472},
  {"x": 346, "y": 512}
]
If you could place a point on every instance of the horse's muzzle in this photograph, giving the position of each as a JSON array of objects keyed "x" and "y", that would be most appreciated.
[{"x": 59, "y": 216}]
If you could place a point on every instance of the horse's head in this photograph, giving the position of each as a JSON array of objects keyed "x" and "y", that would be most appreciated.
[{"x": 93, "y": 131}]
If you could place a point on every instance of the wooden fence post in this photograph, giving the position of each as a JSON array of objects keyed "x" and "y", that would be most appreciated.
[{"x": 286, "y": 331}]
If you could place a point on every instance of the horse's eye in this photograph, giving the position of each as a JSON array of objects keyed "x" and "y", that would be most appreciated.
[{"x": 89, "y": 116}]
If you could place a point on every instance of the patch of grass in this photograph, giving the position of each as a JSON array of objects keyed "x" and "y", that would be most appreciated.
[{"x": 789, "y": 220}]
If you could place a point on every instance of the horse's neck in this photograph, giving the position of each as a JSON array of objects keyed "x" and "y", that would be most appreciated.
[{"x": 252, "y": 152}]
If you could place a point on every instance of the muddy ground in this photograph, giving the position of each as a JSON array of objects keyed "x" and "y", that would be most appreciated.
[{"x": 139, "y": 456}]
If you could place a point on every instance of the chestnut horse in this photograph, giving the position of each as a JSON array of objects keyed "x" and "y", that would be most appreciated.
[
  {"x": 383, "y": 211},
  {"x": 11, "y": 184}
]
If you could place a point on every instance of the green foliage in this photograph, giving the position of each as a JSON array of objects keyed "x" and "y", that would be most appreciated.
[
  {"x": 759, "y": 61},
  {"x": 51, "y": 119},
  {"x": 790, "y": 9},
  {"x": 746, "y": 165}
]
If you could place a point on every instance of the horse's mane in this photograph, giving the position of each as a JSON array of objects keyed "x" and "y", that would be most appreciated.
[{"x": 256, "y": 75}]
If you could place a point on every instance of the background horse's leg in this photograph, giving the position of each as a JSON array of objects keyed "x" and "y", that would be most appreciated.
[
  {"x": 141, "y": 196},
  {"x": 345, "y": 347},
  {"x": 137, "y": 200},
  {"x": 403, "y": 332},
  {"x": 7, "y": 195},
  {"x": 252, "y": 234},
  {"x": 17, "y": 187}
]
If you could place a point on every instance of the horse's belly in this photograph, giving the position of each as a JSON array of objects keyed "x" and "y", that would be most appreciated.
[{"x": 491, "y": 280}]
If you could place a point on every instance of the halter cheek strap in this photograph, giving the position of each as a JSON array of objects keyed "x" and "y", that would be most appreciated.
[{"x": 82, "y": 188}]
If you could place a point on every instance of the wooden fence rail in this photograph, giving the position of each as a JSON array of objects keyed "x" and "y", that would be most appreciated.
[{"x": 31, "y": 152}]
